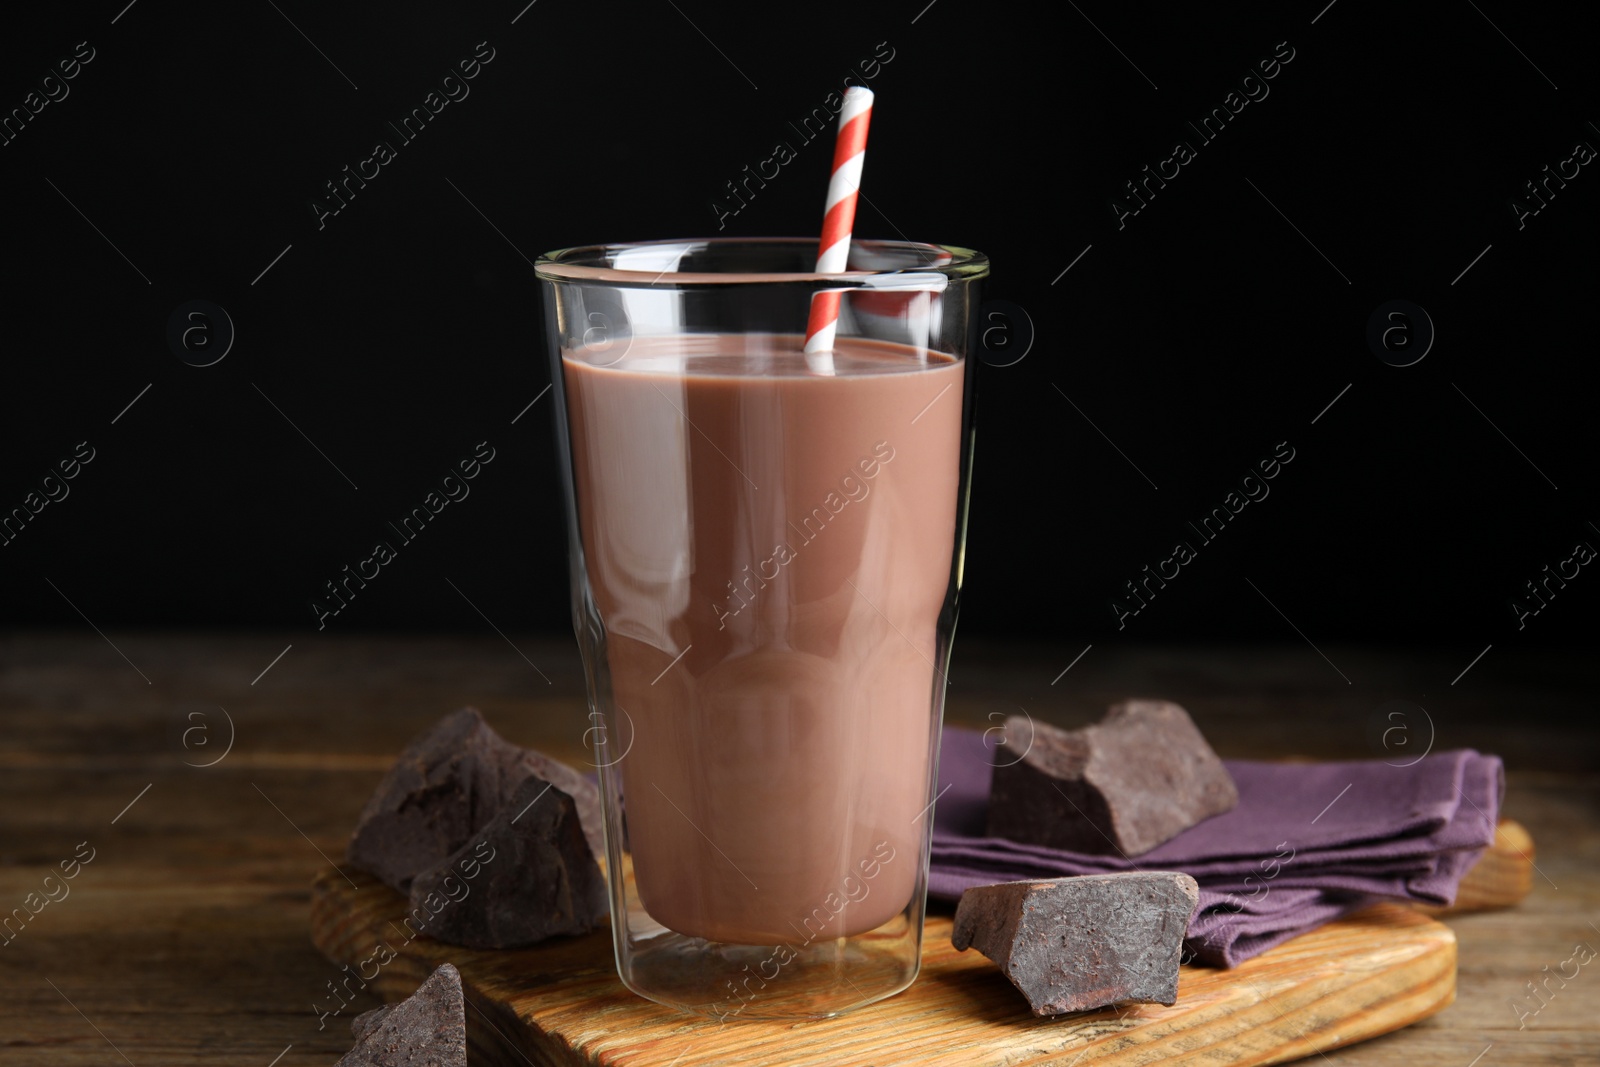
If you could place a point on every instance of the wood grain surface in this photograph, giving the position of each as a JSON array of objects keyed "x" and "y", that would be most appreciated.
[
  {"x": 562, "y": 1003},
  {"x": 186, "y": 939}
]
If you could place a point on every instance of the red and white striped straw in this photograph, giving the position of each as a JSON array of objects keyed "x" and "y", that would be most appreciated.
[{"x": 839, "y": 217}]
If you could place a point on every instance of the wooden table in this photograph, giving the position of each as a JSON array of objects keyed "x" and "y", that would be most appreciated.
[{"x": 184, "y": 939}]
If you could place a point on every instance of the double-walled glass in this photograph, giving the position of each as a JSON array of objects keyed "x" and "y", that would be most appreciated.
[{"x": 766, "y": 554}]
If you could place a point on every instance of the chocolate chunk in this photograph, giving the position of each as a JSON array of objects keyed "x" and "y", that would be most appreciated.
[
  {"x": 368, "y": 1021},
  {"x": 1072, "y": 944},
  {"x": 1139, "y": 777},
  {"x": 427, "y": 1029},
  {"x": 584, "y": 792},
  {"x": 448, "y": 783},
  {"x": 526, "y": 876}
]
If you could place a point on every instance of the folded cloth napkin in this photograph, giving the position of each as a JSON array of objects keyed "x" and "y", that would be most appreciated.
[{"x": 1307, "y": 843}]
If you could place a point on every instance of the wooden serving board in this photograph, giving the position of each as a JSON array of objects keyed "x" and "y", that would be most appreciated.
[{"x": 562, "y": 1004}]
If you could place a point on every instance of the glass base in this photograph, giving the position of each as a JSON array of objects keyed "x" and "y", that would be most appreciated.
[{"x": 735, "y": 982}]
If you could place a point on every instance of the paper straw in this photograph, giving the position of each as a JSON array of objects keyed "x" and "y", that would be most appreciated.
[{"x": 833, "y": 256}]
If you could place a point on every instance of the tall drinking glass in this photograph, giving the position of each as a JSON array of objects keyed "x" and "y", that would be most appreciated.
[{"x": 766, "y": 553}]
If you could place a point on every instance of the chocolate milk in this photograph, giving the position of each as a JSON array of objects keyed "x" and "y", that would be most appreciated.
[{"x": 769, "y": 547}]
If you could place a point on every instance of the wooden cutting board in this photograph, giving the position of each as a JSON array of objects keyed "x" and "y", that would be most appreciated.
[{"x": 562, "y": 1004}]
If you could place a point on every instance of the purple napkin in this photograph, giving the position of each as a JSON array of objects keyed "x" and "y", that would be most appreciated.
[{"x": 1307, "y": 843}]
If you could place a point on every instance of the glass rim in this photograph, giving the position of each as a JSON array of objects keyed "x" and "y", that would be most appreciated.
[{"x": 585, "y": 263}]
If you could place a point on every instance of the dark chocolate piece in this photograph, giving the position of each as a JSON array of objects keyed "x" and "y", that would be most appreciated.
[
  {"x": 427, "y": 1029},
  {"x": 584, "y": 792},
  {"x": 1139, "y": 777},
  {"x": 1072, "y": 944},
  {"x": 526, "y": 876},
  {"x": 368, "y": 1021},
  {"x": 446, "y": 786}
]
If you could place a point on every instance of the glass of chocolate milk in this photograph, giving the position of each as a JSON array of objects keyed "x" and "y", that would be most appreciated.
[{"x": 766, "y": 551}]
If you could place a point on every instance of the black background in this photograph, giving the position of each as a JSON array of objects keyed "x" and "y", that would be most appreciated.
[{"x": 1212, "y": 326}]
